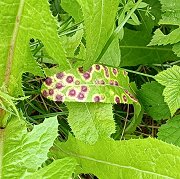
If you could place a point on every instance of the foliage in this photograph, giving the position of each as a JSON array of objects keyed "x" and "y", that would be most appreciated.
[
  {"x": 82, "y": 47},
  {"x": 170, "y": 78},
  {"x": 146, "y": 158},
  {"x": 151, "y": 97},
  {"x": 170, "y": 131}
]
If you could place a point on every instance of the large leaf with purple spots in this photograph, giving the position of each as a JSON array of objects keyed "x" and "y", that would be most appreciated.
[{"x": 100, "y": 84}]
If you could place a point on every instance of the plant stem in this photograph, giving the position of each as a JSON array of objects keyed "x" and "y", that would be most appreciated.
[
  {"x": 116, "y": 32},
  {"x": 139, "y": 73}
]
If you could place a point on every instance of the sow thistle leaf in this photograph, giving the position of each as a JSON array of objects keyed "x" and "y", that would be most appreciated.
[
  {"x": 135, "y": 158},
  {"x": 171, "y": 16},
  {"x": 170, "y": 78},
  {"x": 99, "y": 16},
  {"x": 22, "y": 152},
  {"x": 170, "y": 131},
  {"x": 19, "y": 22},
  {"x": 62, "y": 169},
  {"x": 153, "y": 102},
  {"x": 100, "y": 84}
]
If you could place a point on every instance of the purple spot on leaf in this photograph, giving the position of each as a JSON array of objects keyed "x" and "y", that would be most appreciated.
[
  {"x": 116, "y": 83},
  {"x": 48, "y": 81},
  {"x": 70, "y": 79},
  {"x": 80, "y": 96},
  {"x": 60, "y": 75},
  {"x": 59, "y": 97},
  {"x": 80, "y": 69},
  {"x": 59, "y": 86},
  {"x": 111, "y": 82},
  {"x": 117, "y": 99},
  {"x": 45, "y": 93},
  {"x": 72, "y": 92},
  {"x": 98, "y": 67},
  {"x": 51, "y": 92},
  {"x": 106, "y": 71},
  {"x": 97, "y": 99},
  {"x": 86, "y": 75},
  {"x": 84, "y": 88},
  {"x": 124, "y": 98},
  {"x": 115, "y": 71}
]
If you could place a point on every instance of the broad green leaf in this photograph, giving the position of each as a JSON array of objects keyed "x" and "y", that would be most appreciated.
[
  {"x": 112, "y": 56},
  {"x": 135, "y": 158},
  {"x": 22, "y": 152},
  {"x": 134, "y": 49},
  {"x": 89, "y": 121},
  {"x": 70, "y": 43},
  {"x": 170, "y": 131},
  {"x": 61, "y": 168},
  {"x": 73, "y": 8},
  {"x": 171, "y": 16},
  {"x": 170, "y": 78},
  {"x": 19, "y": 22},
  {"x": 99, "y": 20},
  {"x": 152, "y": 100},
  {"x": 100, "y": 84}
]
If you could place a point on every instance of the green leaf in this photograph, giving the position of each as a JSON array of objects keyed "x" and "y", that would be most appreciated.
[
  {"x": 171, "y": 15},
  {"x": 153, "y": 102},
  {"x": 112, "y": 56},
  {"x": 134, "y": 49},
  {"x": 61, "y": 168},
  {"x": 89, "y": 121},
  {"x": 170, "y": 78},
  {"x": 71, "y": 43},
  {"x": 19, "y": 22},
  {"x": 100, "y": 84},
  {"x": 170, "y": 131},
  {"x": 22, "y": 152},
  {"x": 73, "y": 8},
  {"x": 135, "y": 158},
  {"x": 99, "y": 20}
]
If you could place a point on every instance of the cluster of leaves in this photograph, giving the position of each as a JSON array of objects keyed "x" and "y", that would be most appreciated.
[{"x": 114, "y": 34}]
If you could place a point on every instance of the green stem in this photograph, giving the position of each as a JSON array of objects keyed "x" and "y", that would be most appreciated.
[
  {"x": 139, "y": 73},
  {"x": 116, "y": 32}
]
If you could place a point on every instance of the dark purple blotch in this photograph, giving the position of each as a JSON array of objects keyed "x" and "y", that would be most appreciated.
[
  {"x": 72, "y": 92},
  {"x": 80, "y": 69},
  {"x": 116, "y": 83},
  {"x": 59, "y": 97},
  {"x": 97, "y": 99},
  {"x": 48, "y": 81},
  {"x": 115, "y": 71},
  {"x": 98, "y": 67},
  {"x": 45, "y": 93},
  {"x": 51, "y": 91},
  {"x": 59, "y": 86},
  {"x": 80, "y": 96},
  {"x": 86, "y": 75},
  {"x": 117, "y": 99},
  {"x": 111, "y": 82},
  {"x": 124, "y": 98},
  {"x": 60, "y": 75},
  {"x": 106, "y": 71},
  {"x": 84, "y": 88},
  {"x": 69, "y": 79}
]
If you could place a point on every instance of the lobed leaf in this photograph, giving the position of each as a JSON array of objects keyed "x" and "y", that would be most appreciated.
[
  {"x": 19, "y": 22},
  {"x": 135, "y": 158},
  {"x": 170, "y": 131},
  {"x": 152, "y": 100},
  {"x": 171, "y": 16},
  {"x": 22, "y": 152},
  {"x": 170, "y": 78}
]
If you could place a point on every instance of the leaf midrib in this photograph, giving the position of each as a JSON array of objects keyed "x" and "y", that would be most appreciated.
[
  {"x": 111, "y": 164},
  {"x": 13, "y": 42}
]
